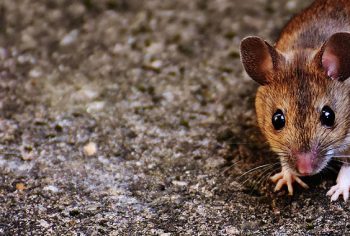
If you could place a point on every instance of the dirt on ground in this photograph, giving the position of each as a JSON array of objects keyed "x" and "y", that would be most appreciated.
[{"x": 134, "y": 117}]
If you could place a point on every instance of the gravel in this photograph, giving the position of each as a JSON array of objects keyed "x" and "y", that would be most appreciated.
[{"x": 135, "y": 118}]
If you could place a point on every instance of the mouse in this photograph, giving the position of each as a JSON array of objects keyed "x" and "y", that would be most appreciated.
[{"x": 303, "y": 100}]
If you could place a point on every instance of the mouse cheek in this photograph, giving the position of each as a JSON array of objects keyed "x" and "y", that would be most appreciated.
[{"x": 305, "y": 163}]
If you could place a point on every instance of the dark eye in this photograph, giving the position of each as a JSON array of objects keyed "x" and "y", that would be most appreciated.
[
  {"x": 327, "y": 116},
  {"x": 278, "y": 120}
]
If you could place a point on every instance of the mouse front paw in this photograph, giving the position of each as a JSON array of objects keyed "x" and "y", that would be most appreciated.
[
  {"x": 343, "y": 185},
  {"x": 338, "y": 190},
  {"x": 285, "y": 177}
]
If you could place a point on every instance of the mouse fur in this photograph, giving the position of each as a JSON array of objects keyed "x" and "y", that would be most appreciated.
[{"x": 304, "y": 72}]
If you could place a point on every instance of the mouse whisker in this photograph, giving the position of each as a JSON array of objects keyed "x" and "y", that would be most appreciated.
[
  {"x": 331, "y": 169},
  {"x": 340, "y": 163},
  {"x": 257, "y": 180},
  {"x": 327, "y": 147},
  {"x": 254, "y": 169},
  {"x": 263, "y": 170},
  {"x": 230, "y": 167},
  {"x": 258, "y": 168},
  {"x": 322, "y": 140},
  {"x": 331, "y": 142},
  {"x": 342, "y": 156},
  {"x": 262, "y": 176}
]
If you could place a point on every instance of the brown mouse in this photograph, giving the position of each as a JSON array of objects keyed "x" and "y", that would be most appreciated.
[{"x": 303, "y": 103}]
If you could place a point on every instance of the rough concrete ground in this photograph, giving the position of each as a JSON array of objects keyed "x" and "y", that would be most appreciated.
[{"x": 158, "y": 87}]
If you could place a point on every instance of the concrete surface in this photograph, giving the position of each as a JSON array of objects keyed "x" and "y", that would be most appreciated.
[{"x": 134, "y": 117}]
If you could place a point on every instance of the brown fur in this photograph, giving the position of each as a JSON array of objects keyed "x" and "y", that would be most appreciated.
[
  {"x": 312, "y": 27},
  {"x": 301, "y": 99},
  {"x": 300, "y": 86}
]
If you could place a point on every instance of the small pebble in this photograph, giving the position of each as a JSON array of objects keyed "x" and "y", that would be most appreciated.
[
  {"x": 157, "y": 64},
  {"x": 27, "y": 153},
  {"x": 70, "y": 38},
  {"x": 90, "y": 149},
  {"x": 95, "y": 107},
  {"x": 20, "y": 186},
  {"x": 51, "y": 188},
  {"x": 179, "y": 183},
  {"x": 291, "y": 5},
  {"x": 44, "y": 223},
  {"x": 35, "y": 73},
  {"x": 232, "y": 230}
]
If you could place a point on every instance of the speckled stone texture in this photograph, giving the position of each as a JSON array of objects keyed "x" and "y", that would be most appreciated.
[{"x": 134, "y": 117}]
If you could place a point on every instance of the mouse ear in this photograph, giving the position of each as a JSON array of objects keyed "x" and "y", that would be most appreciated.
[
  {"x": 259, "y": 59},
  {"x": 335, "y": 56}
]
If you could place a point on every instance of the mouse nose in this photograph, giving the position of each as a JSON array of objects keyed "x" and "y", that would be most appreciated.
[{"x": 304, "y": 163}]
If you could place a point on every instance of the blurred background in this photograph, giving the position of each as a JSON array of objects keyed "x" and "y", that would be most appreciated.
[{"x": 127, "y": 117}]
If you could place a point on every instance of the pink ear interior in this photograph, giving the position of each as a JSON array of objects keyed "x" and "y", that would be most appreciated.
[
  {"x": 336, "y": 56},
  {"x": 330, "y": 63}
]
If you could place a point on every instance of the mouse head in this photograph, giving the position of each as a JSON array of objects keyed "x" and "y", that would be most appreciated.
[{"x": 303, "y": 105}]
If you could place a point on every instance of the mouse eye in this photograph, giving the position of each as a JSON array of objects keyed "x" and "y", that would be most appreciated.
[
  {"x": 327, "y": 117},
  {"x": 278, "y": 120}
]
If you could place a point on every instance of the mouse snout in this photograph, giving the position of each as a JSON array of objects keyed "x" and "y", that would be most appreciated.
[{"x": 304, "y": 163}]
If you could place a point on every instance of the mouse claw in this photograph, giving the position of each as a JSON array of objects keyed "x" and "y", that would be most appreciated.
[
  {"x": 300, "y": 182},
  {"x": 285, "y": 177}
]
